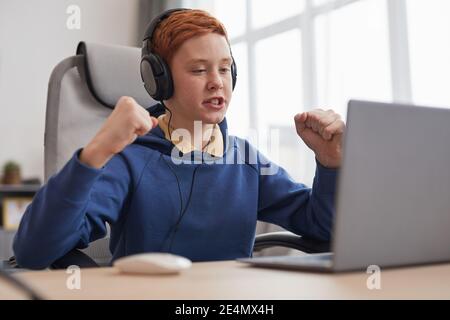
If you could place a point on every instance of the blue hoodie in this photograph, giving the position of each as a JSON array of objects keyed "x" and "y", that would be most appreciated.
[{"x": 202, "y": 209}]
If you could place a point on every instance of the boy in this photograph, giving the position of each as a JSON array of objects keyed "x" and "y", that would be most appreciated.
[{"x": 126, "y": 175}]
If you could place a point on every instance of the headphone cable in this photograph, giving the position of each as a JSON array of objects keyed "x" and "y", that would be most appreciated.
[
  {"x": 177, "y": 225},
  {"x": 170, "y": 118},
  {"x": 169, "y": 127},
  {"x": 182, "y": 212}
]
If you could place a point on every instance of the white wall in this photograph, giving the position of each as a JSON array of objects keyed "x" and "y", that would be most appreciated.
[{"x": 33, "y": 39}]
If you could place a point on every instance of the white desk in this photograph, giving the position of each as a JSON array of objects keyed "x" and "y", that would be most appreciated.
[{"x": 233, "y": 280}]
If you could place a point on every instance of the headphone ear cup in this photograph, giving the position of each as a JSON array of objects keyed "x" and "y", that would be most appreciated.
[
  {"x": 165, "y": 80},
  {"x": 233, "y": 73},
  {"x": 157, "y": 78},
  {"x": 147, "y": 76}
]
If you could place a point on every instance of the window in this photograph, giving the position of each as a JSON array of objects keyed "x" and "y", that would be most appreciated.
[
  {"x": 232, "y": 14},
  {"x": 264, "y": 12},
  {"x": 352, "y": 50},
  {"x": 278, "y": 79},
  {"x": 429, "y": 38},
  {"x": 303, "y": 54},
  {"x": 238, "y": 111}
]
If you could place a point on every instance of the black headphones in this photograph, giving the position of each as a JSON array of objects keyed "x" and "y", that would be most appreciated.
[{"x": 155, "y": 72}]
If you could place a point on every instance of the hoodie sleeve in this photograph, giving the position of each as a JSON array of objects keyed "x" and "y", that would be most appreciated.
[
  {"x": 70, "y": 211},
  {"x": 294, "y": 206}
]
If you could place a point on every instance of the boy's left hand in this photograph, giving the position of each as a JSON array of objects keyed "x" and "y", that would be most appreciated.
[{"x": 322, "y": 132}]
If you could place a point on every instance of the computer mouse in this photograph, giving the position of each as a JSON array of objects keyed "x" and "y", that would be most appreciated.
[{"x": 152, "y": 263}]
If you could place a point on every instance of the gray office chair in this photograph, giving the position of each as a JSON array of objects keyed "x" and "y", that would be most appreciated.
[{"x": 83, "y": 90}]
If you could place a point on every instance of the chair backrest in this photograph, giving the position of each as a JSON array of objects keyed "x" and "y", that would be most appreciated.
[{"x": 82, "y": 92}]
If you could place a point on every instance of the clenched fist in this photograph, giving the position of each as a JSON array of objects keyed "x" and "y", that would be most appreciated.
[
  {"x": 322, "y": 132},
  {"x": 127, "y": 121}
]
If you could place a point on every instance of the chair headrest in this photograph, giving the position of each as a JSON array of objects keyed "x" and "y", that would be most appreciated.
[{"x": 113, "y": 71}]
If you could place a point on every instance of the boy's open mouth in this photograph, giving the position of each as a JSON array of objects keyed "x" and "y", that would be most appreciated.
[{"x": 216, "y": 103}]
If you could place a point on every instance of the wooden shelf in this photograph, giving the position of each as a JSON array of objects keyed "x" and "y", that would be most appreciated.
[{"x": 19, "y": 188}]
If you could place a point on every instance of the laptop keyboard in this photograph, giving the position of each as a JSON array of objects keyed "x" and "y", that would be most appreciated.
[{"x": 322, "y": 259}]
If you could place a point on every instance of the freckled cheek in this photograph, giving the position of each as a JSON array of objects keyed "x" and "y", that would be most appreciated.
[
  {"x": 188, "y": 88},
  {"x": 187, "y": 82},
  {"x": 228, "y": 84}
]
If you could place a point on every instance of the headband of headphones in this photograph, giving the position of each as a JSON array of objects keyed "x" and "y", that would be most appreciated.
[
  {"x": 155, "y": 72},
  {"x": 148, "y": 35}
]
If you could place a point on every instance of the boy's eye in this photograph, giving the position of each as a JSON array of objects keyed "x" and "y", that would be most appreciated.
[
  {"x": 198, "y": 70},
  {"x": 224, "y": 69}
]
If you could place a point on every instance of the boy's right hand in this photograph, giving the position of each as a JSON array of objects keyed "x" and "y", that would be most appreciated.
[{"x": 127, "y": 121}]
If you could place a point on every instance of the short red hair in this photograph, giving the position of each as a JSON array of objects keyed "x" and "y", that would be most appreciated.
[{"x": 180, "y": 26}]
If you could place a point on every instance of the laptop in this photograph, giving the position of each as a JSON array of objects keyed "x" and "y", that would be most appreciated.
[{"x": 393, "y": 199}]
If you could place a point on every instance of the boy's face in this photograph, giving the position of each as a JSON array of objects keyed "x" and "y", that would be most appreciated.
[{"x": 201, "y": 71}]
